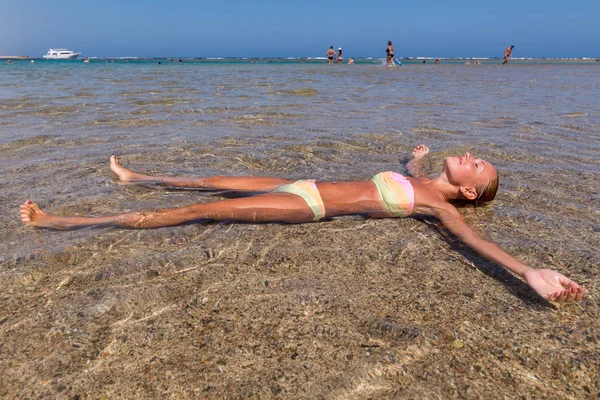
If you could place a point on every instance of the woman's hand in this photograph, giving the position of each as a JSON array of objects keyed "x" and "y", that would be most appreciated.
[
  {"x": 553, "y": 286},
  {"x": 414, "y": 166},
  {"x": 420, "y": 151}
]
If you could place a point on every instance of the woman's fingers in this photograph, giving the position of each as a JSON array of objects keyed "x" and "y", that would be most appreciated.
[
  {"x": 420, "y": 149},
  {"x": 559, "y": 295},
  {"x": 574, "y": 291},
  {"x": 553, "y": 296},
  {"x": 567, "y": 295},
  {"x": 563, "y": 295},
  {"x": 576, "y": 294}
]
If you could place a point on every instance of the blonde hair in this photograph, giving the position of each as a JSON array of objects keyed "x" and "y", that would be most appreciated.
[{"x": 488, "y": 192}]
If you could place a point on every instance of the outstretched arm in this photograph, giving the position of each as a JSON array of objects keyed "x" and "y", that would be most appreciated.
[
  {"x": 549, "y": 284},
  {"x": 415, "y": 165}
]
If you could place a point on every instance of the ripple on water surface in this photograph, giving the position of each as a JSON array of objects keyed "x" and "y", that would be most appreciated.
[{"x": 368, "y": 119}]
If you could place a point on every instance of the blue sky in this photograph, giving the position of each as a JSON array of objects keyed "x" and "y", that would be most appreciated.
[{"x": 301, "y": 28}]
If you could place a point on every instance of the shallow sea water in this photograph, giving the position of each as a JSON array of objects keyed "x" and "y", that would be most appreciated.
[
  {"x": 347, "y": 308},
  {"x": 61, "y": 121}
]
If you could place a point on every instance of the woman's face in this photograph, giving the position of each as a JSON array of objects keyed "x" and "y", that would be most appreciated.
[{"x": 466, "y": 170}]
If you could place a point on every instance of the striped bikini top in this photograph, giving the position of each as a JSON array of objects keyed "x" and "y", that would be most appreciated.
[{"x": 396, "y": 193}]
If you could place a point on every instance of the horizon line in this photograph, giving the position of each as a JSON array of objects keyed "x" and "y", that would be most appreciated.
[{"x": 323, "y": 57}]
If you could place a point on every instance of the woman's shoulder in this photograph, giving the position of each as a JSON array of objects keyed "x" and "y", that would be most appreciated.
[{"x": 426, "y": 196}]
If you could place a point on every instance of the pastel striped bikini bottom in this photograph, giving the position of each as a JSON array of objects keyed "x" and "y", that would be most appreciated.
[{"x": 307, "y": 189}]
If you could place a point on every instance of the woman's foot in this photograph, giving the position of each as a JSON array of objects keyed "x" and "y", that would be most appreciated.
[
  {"x": 32, "y": 215},
  {"x": 125, "y": 176}
]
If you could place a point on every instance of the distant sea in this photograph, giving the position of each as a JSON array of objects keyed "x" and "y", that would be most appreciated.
[{"x": 317, "y": 60}]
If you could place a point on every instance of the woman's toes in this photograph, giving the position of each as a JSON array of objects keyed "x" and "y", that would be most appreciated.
[
  {"x": 30, "y": 212},
  {"x": 25, "y": 211}
]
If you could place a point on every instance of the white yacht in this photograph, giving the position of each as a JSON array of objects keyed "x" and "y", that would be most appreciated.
[{"x": 60, "y": 54}]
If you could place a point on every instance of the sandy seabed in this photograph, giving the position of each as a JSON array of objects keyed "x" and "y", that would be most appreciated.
[
  {"x": 349, "y": 308},
  {"x": 346, "y": 308}
]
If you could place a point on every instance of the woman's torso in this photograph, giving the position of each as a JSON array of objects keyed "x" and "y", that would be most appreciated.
[
  {"x": 348, "y": 198},
  {"x": 364, "y": 198}
]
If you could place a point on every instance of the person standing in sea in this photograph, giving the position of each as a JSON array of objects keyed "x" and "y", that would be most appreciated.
[
  {"x": 389, "y": 55},
  {"x": 330, "y": 55},
  {"x": 339, "y": 60},
  {"x": 507, "y": 54}
]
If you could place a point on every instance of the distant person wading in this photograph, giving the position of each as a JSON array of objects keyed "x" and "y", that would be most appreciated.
[
  {"x": 507, "y": 54},
  {"x": 330, "y": 55},
  {"x": 389, "y": 55}
]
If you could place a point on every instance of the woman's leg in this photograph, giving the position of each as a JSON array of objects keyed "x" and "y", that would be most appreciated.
[
  {"x": 271, "y": 207},
  {"x": 245, "y": 184}
]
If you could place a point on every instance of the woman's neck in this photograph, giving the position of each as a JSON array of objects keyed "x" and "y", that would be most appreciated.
[{"x": 444, "y": 189}]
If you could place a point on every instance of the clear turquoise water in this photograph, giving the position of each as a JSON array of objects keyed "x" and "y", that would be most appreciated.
[{"x": 537, "y": 121}]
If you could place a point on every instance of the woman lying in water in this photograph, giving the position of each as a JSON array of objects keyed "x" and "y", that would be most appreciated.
[{"x": 387, "y": 195}]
